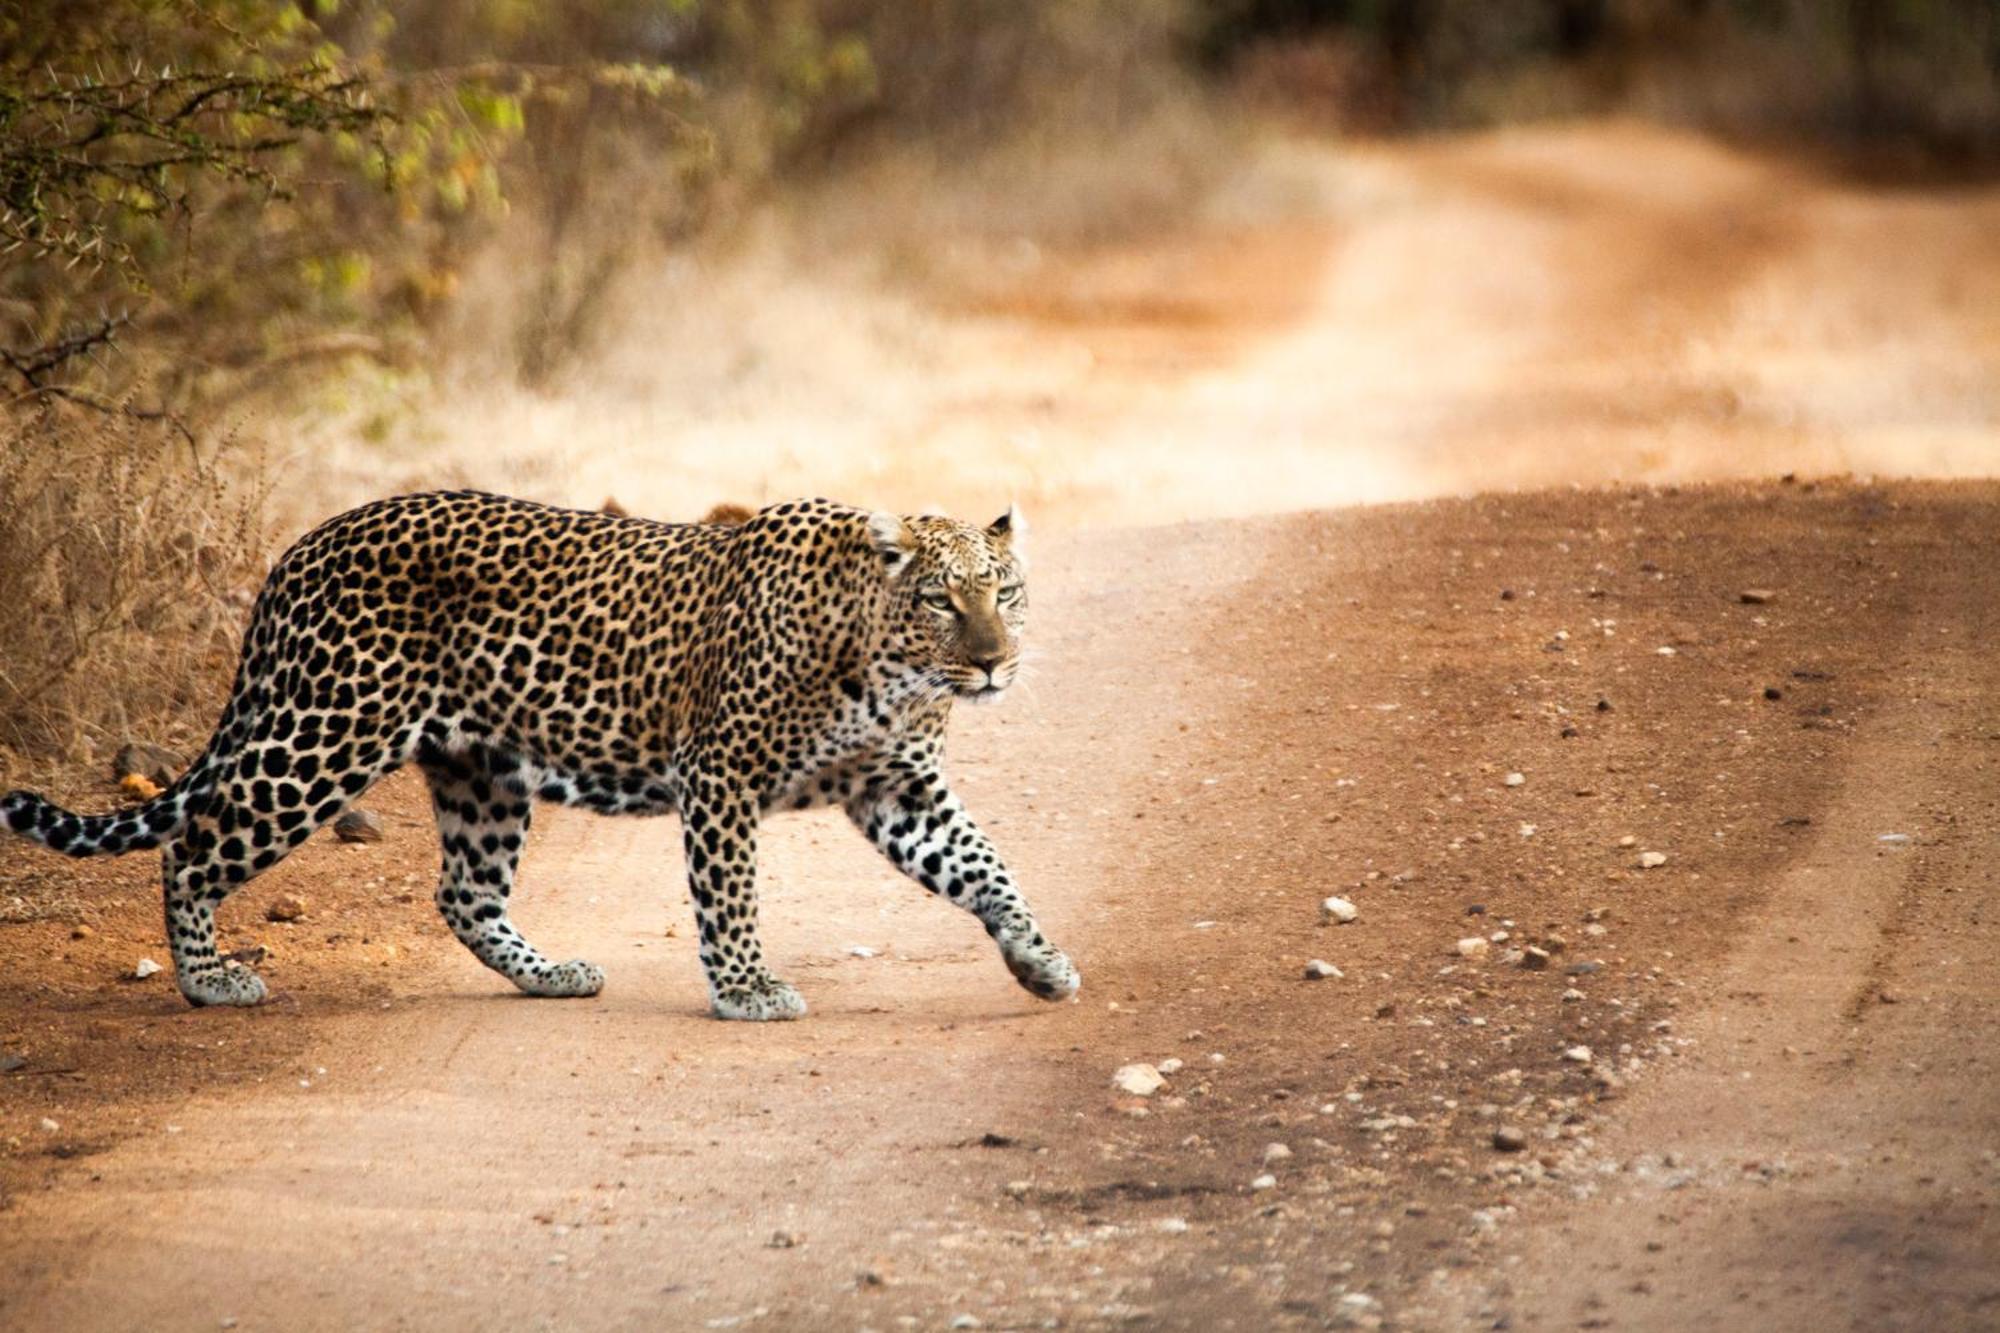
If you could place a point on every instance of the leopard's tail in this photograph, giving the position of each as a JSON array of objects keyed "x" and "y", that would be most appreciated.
[{"x": 36, "y": 818}]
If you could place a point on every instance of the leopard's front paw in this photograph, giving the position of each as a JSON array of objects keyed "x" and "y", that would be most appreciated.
[
  {"x": 1044, "y": 970},
  {"x": 766, "y": 1000},
  {"x": 563, "y": 980}
]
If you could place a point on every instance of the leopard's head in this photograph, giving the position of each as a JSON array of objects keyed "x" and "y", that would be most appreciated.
[{"x": 957, "y": 599}]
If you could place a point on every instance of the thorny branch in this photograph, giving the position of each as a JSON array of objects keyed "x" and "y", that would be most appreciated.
[
  {"x": 81, "y": 151},
  {"x": 36, "y": 364}
]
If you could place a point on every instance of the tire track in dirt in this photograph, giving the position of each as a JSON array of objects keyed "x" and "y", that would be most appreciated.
[{"x": 1825, "y": 1159}]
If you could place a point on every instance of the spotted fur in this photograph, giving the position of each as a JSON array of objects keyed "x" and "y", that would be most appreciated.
[{"x": 809, "y": 655}]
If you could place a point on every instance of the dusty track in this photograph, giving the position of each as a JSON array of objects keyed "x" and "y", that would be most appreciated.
[{"x": 1232, "y": 721}]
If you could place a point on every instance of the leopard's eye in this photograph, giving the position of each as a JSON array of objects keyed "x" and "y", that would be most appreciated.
[
  {"x": 1010, "y": 594},
  {"x": 938, "y": 600}
]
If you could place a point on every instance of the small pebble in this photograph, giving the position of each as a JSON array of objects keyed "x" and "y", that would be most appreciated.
[
  {"x": 358, "y": 826},
  {"x": 1139, "y": 1080},
  {"x": 286, "y": 907},
  {"x": 1515, "y": 779},
  {"x": 1652, "y": 860},
  {"x": 146, "y": 967},
  {"x": 1578, "y": 1055},
  {"x": 1508, "y": 1139},
  {"x": 1276, "y": 1152},
  {"x": 1338, "y": 910},
  {"x": 1756, "y": 596},
  {"x": 1319, "y": 970},
  {"x": 1264, "y": 1182},
  {"x": 1534, "y": 959},
  {"x": 1474, "y": 946}
]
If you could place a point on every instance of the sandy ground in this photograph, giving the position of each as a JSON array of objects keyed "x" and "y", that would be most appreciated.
[
  {"x": 1344, "y": 325},
  {"x": 1787, "y": 1110}
]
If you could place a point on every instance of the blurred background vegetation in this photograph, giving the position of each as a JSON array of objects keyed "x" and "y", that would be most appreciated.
[{"x": 206, "y": 203}]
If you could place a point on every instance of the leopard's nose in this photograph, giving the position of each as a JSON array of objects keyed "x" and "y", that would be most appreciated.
[{"x": 988, "y": 662}]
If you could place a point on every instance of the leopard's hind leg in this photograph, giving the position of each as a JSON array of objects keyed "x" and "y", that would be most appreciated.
[
  {"x": 483, "y": 808},
  {"x": 274, "y": 798}
]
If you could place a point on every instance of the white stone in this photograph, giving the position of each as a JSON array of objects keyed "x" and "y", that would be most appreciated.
[
  {"x": 1264, "y": 1182},
  {"x": 1170, "y": 1066},
  {"x": 1338, "y": 910},
  {"x": 860, "y": 951},
  {"x": 1173, "y": 1226},
  {"x": 1276, "y": 1152},
  {"x": 146, "y": 968},
  {"x": 1652, "y": 860},
  {"x": 1515, "y": 779},
  {"x": 1138, "y": 1080},
  {"x": 1319, "y": 969},
  {"x": 1578, "y": 1055},
  {"x": 49, "y": 1126},
  {"x": 1474, "y": 946}
]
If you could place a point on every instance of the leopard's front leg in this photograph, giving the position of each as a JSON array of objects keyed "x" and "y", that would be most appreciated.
[
  {"x": 923, "y": 828},
  {"x": 720, "y": 837}
]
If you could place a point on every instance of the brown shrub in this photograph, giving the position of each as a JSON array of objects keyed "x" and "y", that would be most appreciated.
[{"x": 127, "y": 555}]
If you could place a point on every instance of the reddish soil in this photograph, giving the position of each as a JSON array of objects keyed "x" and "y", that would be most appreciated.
[{"x": 1785, "y": 1121}]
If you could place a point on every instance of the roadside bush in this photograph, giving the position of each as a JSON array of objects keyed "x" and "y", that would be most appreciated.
[{"x": 127, "y": 556}]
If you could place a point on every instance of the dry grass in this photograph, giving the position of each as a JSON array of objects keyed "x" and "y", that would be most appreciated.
[{"x": 126, "y": 555}]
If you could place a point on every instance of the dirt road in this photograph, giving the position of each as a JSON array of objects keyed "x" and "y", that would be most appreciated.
[{"x": 1232, "y": 721}]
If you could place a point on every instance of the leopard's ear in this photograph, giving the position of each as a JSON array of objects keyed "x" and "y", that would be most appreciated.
[
  {"x": 893, "y": 542},
  {"x": 1010, "y": 530}
]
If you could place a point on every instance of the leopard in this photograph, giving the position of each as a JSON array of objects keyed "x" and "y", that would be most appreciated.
[{"x": 807, "y": 655}]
